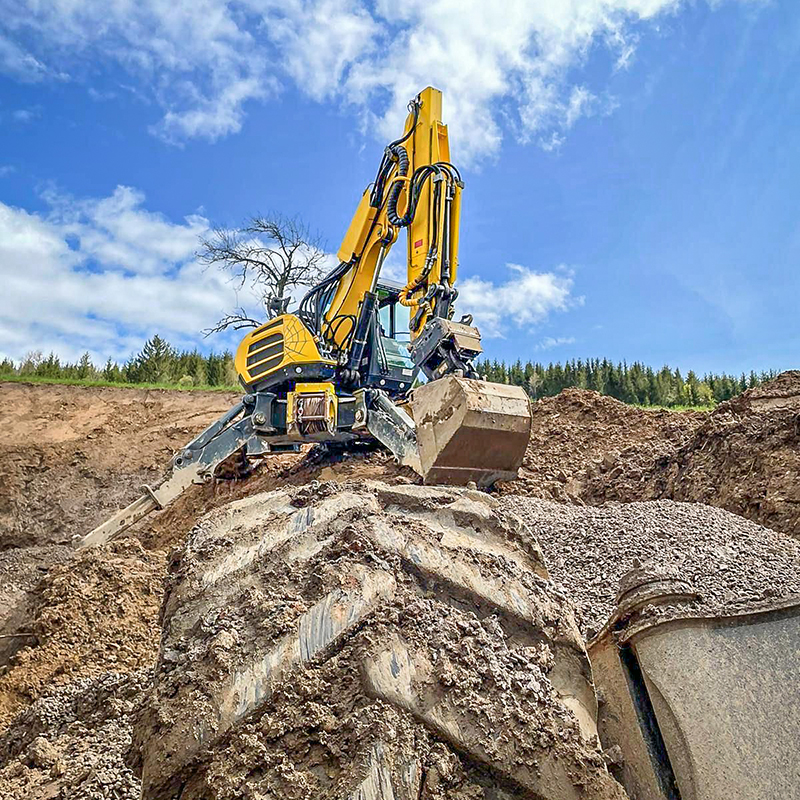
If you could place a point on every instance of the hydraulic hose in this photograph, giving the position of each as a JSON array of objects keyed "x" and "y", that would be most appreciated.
[{"x": 394, "y": 195}]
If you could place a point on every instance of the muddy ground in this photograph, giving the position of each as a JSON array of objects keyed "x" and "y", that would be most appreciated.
[{"x": 73, "y": 625}]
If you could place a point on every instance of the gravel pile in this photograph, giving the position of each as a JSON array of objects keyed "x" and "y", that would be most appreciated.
[
  {"x": 732, "y": 563},
  {"x": 72, "y": 743}
]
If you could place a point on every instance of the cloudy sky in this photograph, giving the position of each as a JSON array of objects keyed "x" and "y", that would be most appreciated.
[{"x": 632, "y": 166}]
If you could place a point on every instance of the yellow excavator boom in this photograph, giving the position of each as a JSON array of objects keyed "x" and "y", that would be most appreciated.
[{"x": 417, "y": 188}]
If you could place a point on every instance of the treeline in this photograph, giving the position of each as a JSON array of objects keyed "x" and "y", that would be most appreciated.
[
  {"x": 157, "y": 363},
  {"x": 631, "y": 383},
  {"x": 160, "y": 363}
]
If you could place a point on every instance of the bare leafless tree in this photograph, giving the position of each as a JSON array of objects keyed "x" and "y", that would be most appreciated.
[{"x": 269, "y": 255}]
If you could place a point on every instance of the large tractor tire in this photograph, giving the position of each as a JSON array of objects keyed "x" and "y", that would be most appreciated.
[{"x": 368, "y": 642}]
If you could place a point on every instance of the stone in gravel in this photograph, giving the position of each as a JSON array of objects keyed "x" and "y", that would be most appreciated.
[{"x": 73, "y": 742}]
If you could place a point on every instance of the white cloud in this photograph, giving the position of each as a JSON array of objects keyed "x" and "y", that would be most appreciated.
[
  {"x": 525, "y": 300},
  {"x": 549, "y": 342},
  {"x": 516, "y": 64},
  {"x": 199, "y": 60},
  {"x": 24, "y": 115},
  {"x": 319, "y": 39},
  {"x": 103, "y": 275},
  {"x": 116, "y": 231},
  {"x": 19, "y": 64}
]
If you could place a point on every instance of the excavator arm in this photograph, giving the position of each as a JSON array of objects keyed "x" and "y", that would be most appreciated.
[{"x": 417, "y": 188}]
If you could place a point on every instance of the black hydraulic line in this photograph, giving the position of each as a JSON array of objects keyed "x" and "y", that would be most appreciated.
[
  {"x": 376, "y": 196},
  {"x": 414, "y": 107},
  {"x": 402, "y": 170},
  {"x": 452, "y": 167},
  {"x": 362, "y": 330}
]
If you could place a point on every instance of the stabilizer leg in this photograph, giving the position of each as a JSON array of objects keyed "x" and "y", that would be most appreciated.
[{"x": 195, "y": 463}]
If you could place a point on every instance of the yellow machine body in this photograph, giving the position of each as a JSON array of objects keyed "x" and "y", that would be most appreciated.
[
  {"x": 281, "y": 343},
  {"x": 338, "y": 371}
]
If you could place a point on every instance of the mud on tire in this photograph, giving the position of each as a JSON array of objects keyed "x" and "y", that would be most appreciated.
[{"x": 368, "y": 642}]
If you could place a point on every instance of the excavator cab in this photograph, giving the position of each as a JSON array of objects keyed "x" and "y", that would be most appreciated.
[{"x": 390, "y": 366}]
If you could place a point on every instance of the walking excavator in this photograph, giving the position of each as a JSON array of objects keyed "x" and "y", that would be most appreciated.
[{"x": 343, "y": 369}]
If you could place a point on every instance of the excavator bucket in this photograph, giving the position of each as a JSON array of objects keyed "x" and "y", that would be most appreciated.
[{"x": 470, "y": 430}]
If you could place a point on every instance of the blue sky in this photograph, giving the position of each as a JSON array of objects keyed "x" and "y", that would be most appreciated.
[{"x": 631, "y": 166}]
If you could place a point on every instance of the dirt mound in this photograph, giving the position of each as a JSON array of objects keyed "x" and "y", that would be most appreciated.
[
  {"x": 365, "y": 640},
  {"x": 733, "y": 564},
  {"x": 780, "y": 394},
  {"x": 63, "y": 471},
  {"x": 744, "y": 457},
  {"x": 71, "y": 455},
  {"x": 579, "y": 433},
  {"x": 97, "y": 611}
]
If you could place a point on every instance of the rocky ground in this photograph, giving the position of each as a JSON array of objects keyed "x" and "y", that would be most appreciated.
[
  {"x": 730, "y": 562},
  {"x": 79, "y": 633}
]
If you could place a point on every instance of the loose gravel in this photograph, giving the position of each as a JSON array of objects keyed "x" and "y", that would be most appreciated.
[
  {"x": 733, "y": 564},
  {"x": 75, "y": 739}
]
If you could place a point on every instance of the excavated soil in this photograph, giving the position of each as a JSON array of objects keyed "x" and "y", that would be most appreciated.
[
  {"x": 73, "y": 742},
  {"x": 169, "y": 527},
  {"x": 580, "y": 433},
  {"x": 93, "y": 612},
  {"x": 743, "y": 457},
  {"x": 71, "y": 455}
]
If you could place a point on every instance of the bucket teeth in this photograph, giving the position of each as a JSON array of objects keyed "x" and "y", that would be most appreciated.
[{"x": 470, "y": 430}]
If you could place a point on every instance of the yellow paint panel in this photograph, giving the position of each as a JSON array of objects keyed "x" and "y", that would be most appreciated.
[
  {"x": 356, "y": 236},
  {"x": 281, "y": 342}
]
